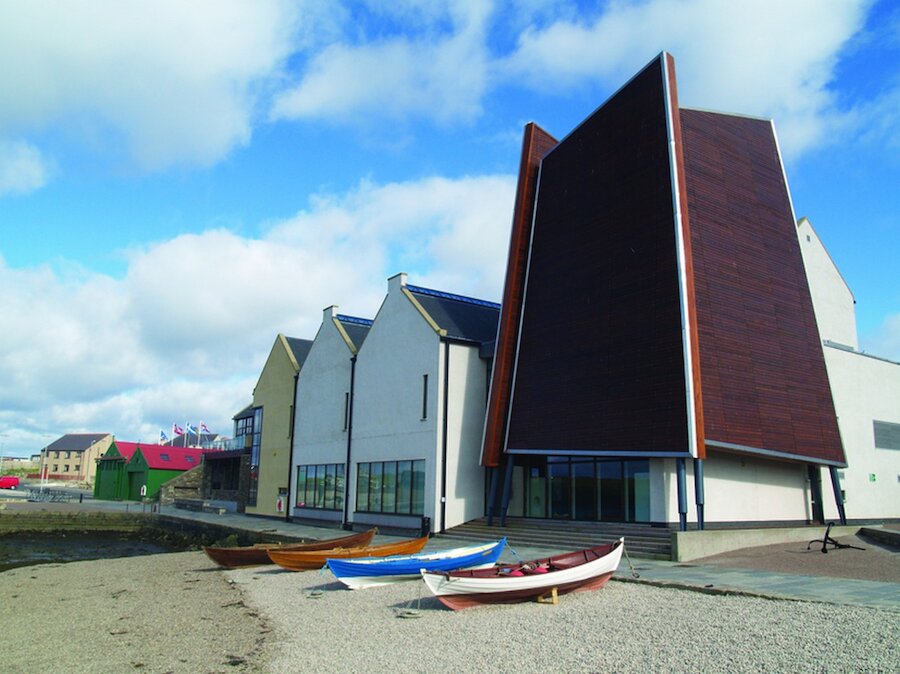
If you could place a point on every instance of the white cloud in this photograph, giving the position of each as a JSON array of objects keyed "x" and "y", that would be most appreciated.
[
  {"x": 184, "y": 334},
  {"x": 765, "y": 57},
  {"x": 175, "y": 82},
  {"x": 425, "y": 72},
  {"x": 23, "y": 168}
]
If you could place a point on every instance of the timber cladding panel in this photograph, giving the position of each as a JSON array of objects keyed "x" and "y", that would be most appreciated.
[
  {"x": 764, "y": 380},
  {"x": 535, "y": 146},
  {"x": 600, "y": 363}
]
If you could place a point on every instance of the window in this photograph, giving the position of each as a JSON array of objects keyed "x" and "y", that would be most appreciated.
[
  {"x": 887, "y": 435},
  {"x": 424, "y": 396},
  {"x": 189, "y": 459},
  {"x": 391, "y": 487},
  {"x": 77, "y": 467},
  {"x": 66, "y": 468},
  {"x": 320, "y": 486},
  {"x": 68, "y": 455},
  {"x": 55, "y": 467},
  {"x": 164, "y": 457}
]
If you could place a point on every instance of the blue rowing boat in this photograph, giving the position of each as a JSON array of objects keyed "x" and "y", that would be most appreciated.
[{"x": 363, "y": 572}]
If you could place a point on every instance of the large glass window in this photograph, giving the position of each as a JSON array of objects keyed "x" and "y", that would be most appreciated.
[
  {"x": 391, "y": 487},
  {"x": 320, "y": 486}
]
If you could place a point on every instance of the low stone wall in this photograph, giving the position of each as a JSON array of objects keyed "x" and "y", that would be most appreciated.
[
  {"x": 197, "y": 532},
  {"x": 689, "y": 545}
]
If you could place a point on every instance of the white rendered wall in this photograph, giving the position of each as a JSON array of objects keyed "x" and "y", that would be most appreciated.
[
  {"x": 465, "y": 476},
  {"x": 832, "y": 300},
  {"x": 864, "y": 389},
  {"x": 319, "y": 435},
  {"x": 737, "y": 488},
  {"x": 387, "y": 413}
]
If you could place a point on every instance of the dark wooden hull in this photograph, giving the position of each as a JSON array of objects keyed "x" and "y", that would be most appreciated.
[{"x": 255, "y": 555}]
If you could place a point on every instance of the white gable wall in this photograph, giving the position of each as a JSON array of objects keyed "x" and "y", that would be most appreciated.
[
  {"x": 833, "y": 302},
  {"x": 400, "y": 348},
  {"x": 319, "y": 435}
]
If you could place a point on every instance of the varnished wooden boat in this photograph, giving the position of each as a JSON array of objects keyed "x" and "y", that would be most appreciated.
[
  {"x": 587, "y": 569},
  {"x": 253, "y": 555},
  {"x": 302, "y": 560}
]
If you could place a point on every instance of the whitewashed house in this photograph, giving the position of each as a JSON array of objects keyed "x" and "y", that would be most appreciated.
[
  {"x": 418, "y": 410},
  {"x": 322, "y": 419},
  {"x": 866, "y": 391}
]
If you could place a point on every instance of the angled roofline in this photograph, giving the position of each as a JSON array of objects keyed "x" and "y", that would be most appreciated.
[
  {"x": 453, "y": 296},
  {"x": 831, "y": 259}
]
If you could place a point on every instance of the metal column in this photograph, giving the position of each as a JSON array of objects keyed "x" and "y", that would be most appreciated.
[
  {"x": 507, "y": 489},
  {"x": 838, "y": 495},
  {"x": 682, "y": 493},
  {"x": 815, "y": 492}
]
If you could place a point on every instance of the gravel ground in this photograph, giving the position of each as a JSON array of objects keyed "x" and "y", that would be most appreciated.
[
  {"x": 625, "y": 627},
  {"x": 178, "y": 613},
  {"x": 171, "y": 612}
]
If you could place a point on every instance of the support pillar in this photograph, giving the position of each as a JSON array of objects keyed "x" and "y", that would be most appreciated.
[
  {"x": 682, "y": 494},
  {"x": 492, "y": 494},
  {"x": 507, "y": 489},
  {"x": 699, "y": 496},
  {"x": 838, "y": 495},
  {"x": 815, "y": 493}
]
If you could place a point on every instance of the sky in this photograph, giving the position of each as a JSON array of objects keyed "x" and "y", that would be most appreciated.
[{"x": 180, "y": 182}]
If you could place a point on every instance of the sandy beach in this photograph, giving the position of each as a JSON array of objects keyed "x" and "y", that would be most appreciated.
[{"x": 178, "y": 613}]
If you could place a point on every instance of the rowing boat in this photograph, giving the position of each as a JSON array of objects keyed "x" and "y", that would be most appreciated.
[
  {"x": 362, "y": 572},
  {"x": 302, "y": 560},
  {"x": 253, "y": 555},
  {"x": 587, "y": 569}
]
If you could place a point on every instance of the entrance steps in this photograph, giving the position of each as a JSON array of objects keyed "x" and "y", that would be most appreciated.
[{"x": 641, "y": 540}]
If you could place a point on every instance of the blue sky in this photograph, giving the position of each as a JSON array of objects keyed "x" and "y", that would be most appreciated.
[{"x": 179, "y": 182}]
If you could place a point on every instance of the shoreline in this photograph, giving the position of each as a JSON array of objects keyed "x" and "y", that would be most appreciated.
[{"x": 178, "y": 612}]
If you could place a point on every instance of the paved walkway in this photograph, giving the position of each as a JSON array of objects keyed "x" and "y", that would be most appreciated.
[{"x": 693, "y": 576}]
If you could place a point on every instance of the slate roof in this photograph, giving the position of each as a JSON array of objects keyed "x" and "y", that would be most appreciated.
[
  {"x": 76, "y": 442},
  {"x": 465, "y": 318},
  {"x": 300, "y": 348},
  {"x": 357, "y": 328},
  {"x": 170, "y": 458}
]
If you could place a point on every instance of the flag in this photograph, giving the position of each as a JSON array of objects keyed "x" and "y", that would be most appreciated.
[
  {"x": 204, "y": 428},
  {"x": 190, "y": 429},
  {"x": 177, "y": 430},
  {"x": 162, "y": 437}
]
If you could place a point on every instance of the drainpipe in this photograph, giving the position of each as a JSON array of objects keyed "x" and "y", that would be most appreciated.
[
  {"x": 346, "y": 524},
  {"x": 445, "y": 431},
  {"x": 288, "y": 506}
]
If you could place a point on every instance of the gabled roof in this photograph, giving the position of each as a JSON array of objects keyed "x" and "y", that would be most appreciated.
[
  {"x": 170, "y": 458},
  {"x": 356, "y": 328},
  {"x": 300, "y": 348},
  {"x": 465, "y": 318},
  {"x": 76, "y": 442},
  {"x": 125, "y": 450}
]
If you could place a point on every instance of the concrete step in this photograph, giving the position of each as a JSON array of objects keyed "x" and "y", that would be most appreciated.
[{"x": 641, "y": 540}]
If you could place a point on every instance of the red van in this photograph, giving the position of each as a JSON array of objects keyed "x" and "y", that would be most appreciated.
[{"x": 9, "y": 482}]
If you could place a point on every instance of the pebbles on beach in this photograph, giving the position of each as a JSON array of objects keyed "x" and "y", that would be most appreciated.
[
  {"x": 625, "y": 627},
  {"x": 179, "y": 613}
]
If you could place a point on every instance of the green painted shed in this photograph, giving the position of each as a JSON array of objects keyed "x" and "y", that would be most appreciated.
[
  {"x": 111, "y": 480},
  {"x": 153, "y": 465}
]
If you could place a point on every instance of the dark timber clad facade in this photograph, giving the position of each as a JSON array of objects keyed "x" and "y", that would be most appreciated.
[{"x": 656, "y": 301}]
